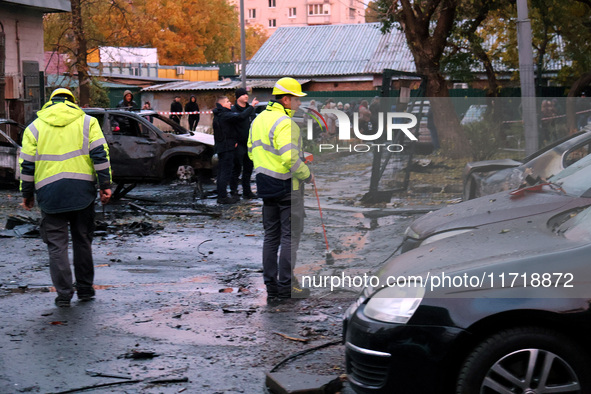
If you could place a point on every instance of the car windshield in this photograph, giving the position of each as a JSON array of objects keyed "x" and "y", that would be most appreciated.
[
  {"x": 578, "y": 227},
  {"x": 167, "y": 125},
  {"x": 576, "y": 179}
]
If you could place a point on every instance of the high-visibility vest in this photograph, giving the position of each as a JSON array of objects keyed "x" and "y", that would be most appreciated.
[
  {"x": 56, "y": 155},
  {"x": 274, "y": 145}
]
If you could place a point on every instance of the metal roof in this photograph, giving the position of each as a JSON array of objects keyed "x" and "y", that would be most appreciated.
[
  {"x": 213, "y": 85},
  {"x": 339, "y": 50},
  {"x": 309, "y": 51}
]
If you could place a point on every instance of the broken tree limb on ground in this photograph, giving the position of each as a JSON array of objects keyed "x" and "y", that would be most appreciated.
[{"x": 305, "y": 340}]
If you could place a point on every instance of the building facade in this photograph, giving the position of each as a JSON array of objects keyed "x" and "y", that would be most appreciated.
[
  {"x": 21, "y": 55},
  {"x": 272, "y": 14}
]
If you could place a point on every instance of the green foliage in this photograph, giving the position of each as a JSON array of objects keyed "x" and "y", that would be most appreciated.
[
  {"x": 98, "y": 95},
  {"x": 484, "y": 139}
]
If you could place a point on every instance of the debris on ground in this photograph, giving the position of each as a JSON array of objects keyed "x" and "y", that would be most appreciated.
[
  {"x": 139, "y": 354},
  {"x": 295, "y": 383}
]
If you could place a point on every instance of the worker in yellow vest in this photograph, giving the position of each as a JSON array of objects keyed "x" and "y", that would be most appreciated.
[
  {"x": 64, "y": 152},
  {"x": 274, "y": 146}
]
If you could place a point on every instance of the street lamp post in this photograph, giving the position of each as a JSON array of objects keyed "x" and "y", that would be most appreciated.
[
  {"x": 526, "y": 76},
  {"x": 242, "y": 45}
]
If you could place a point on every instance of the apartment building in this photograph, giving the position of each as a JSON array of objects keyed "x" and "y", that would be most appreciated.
[{"x": 279, "y": 13}]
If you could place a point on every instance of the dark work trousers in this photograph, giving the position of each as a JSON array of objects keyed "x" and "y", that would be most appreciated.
[
  {"x": 193, "y": 121},
  {"x": 54, "y": 230},
  {"x": 283, "y": 220},
  {"x": 225, "y": 166},
  {"x": 242, "y": 163}
]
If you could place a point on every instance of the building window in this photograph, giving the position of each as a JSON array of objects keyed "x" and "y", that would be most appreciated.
[
  {"x": 252, "y": 13},
  {"x": 272, "y": 3},
  {"x": 318, "y": 9},
  {"x": 272, "y": 22},
  {"x": 292, "y": 12},
  {"x": 351, "y": 13}
]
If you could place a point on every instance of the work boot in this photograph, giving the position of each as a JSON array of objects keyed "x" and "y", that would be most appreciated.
[
  {"x": 86, "y": 294},
  {"x": 62, "y": 301},
  {"x": 249, "y": 196},
  {"x": 227, "y": 200},
  {"x": 298, "y": 291}
]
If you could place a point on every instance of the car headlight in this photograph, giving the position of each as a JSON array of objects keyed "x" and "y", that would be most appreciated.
[
  {"x": 447, "y": 234},
  {"x": 395, "y": 304},
  {"x": 410, "y": 233}
]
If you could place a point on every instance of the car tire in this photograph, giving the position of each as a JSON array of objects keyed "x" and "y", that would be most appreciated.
[
  {"x": 500, "y": 364},
  {"x": 469, "y": 189}
]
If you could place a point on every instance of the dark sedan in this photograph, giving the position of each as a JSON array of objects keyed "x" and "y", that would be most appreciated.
[
  {"x": 570, "y": 189},
  {"x": 500, "y": 309},
  {"x": 145, "y": 146},
  {"x": 9, "y": 150},
  {"x": 492, "y": 176}
]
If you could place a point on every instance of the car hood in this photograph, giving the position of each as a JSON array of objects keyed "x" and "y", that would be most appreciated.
[
  {"x": 198, "y": 136},
  {"x": 522, "y": 245},
  {"x": 495, "y": 208}
]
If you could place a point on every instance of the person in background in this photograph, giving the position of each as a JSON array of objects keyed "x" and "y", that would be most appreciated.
[
  {"x": 225, "y": 133},
  {"x": 127, "y": 101},
  {"x": 64, "y": 153},
  {"x": 242, "y": 163},
  {"x": 176, "y": 107},
  {"x": 148, "y": 107},
  {"x": 192, "y": 106}
]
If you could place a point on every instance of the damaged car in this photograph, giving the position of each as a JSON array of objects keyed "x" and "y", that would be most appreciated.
[
  {"x": 502, "y": 308},
  {"x": 9, "y": 151},
  {"x": 147, "y": 147},
  {"x": 487, "y": 177},
  {"x": 569, "y": 189}
]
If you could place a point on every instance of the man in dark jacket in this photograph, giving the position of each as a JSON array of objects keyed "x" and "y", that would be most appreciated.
[
  {"x": 127, "y": 101},
  {"x": 192, "y": 106},
  {"x": 225, "y": 132},
  {"x": 242, "y": 162},
  {"x": 176, "y": 106}
]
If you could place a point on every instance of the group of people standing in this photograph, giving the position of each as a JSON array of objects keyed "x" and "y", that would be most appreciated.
[
  {"x": 176, "y": 108},
  {"x": 231, "y": 125}
]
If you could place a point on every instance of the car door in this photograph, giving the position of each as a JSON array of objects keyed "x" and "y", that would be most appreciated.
[{"x": 135, "y": 148}]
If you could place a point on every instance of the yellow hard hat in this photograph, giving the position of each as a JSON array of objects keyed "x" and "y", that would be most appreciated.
[
  {"x": 288, "y": 86},
  {"x": 63, "y": 91}
]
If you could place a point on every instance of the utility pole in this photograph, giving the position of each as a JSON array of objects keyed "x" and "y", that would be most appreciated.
[
  {"x": 242, "y": 45},
  {"x": 526, "y": 76}
]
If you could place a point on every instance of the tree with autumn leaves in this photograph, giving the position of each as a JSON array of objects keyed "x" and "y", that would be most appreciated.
[{"x": 183, "y": 31}]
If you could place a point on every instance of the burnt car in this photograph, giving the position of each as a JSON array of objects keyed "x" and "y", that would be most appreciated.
[
  {"x": 569, "y": 189},
  {"x": 504, "y": 308},
  {"x": 487, "y": 177},
  {"x": 9, "y": 151},
  {"x": 146, "y": 146}
]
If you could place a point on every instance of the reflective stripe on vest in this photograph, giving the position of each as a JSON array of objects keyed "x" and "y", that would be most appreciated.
[
  {"x": 102, "y": 166},
  {"x": 274, "y": 174},
  {"x": 65, "y": 175},
  {"x": 70, "y": 155},
  {"x": 97, "y": 143},
  {"x": 27, "y": 178},
  {"x": 271, "y": 148}
]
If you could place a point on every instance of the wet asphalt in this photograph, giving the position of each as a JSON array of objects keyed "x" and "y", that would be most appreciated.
[{"x": 184, "y": 309}]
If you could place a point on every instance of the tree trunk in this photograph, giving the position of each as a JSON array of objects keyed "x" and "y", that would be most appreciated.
[
  {"x": 571, "y": 108},
  {"x": 81, "y": 53},
  {"x": 427, "y": 48},
  {"x": 452, "y": 138}
]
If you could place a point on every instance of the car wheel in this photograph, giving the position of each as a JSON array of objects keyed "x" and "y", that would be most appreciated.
[
  {"x": 469, "y": 188},
  {"x": 526, "y": 360}
]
